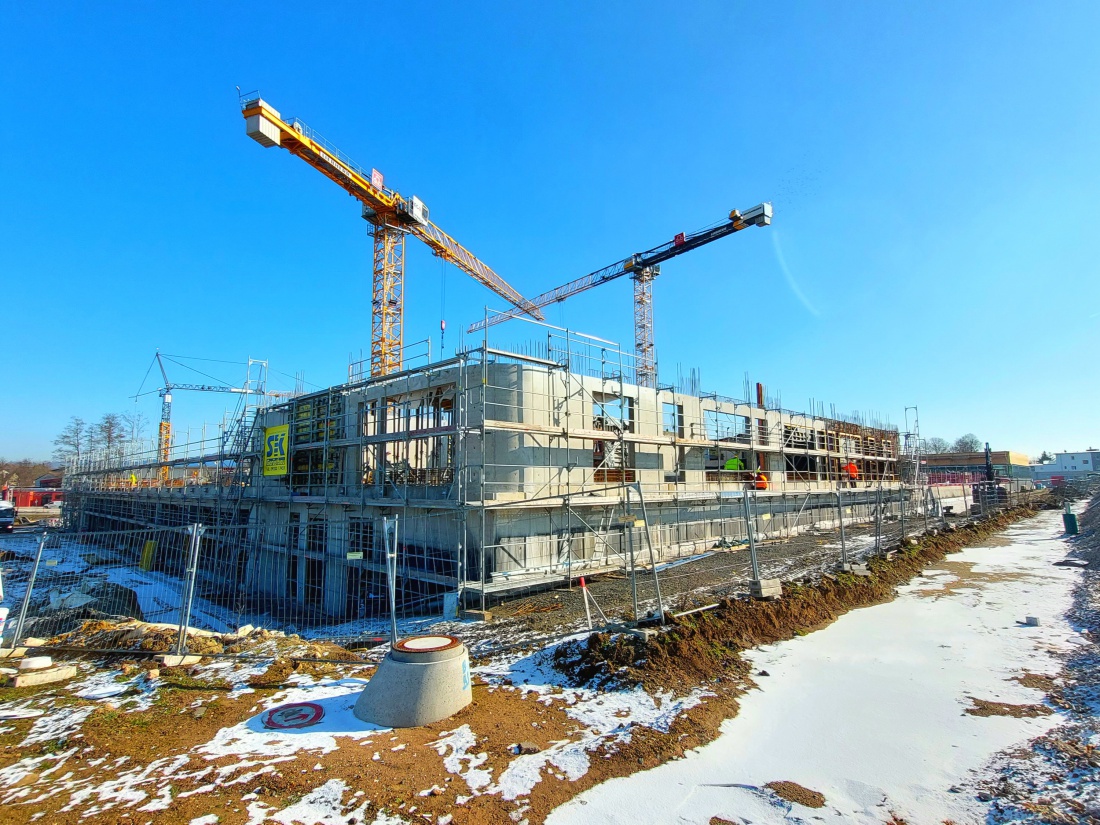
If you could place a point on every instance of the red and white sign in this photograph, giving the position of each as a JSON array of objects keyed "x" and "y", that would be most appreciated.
[
  {"x": 296, "y": 715},
  {"x": 375, "y": 178}
]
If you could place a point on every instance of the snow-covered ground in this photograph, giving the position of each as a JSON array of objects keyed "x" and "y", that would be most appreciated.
[{"x": 870, "y": 711}]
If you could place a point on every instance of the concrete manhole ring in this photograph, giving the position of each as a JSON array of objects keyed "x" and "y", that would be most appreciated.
[
  {"x": 427, "y": 644},
  {"x": 295, "y": 715}
]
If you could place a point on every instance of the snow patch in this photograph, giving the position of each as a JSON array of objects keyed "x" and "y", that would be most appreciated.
[
  {"x": 337, "y": 698},
  {"x": 870, "y": 710}
]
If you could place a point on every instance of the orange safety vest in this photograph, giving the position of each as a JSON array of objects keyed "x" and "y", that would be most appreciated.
[
  {"x": 761, "y": 481},
  {"x": 853, "y": 470}
]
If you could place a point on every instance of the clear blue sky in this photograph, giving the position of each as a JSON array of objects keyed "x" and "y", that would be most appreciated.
[{"x": 934, "y": 169}]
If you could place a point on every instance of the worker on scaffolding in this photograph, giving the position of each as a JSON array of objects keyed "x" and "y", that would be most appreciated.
[
  {"x": 734, "y": 464},
  {"x": 851, "y": 472}
]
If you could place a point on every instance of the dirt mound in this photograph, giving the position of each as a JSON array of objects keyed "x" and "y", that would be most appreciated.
[
  {"x": 137, "y": 636},
  {"x": 602, "y": 660},
  {"x": 276, "y": 674},
  {"x": 793, "y": 792}
]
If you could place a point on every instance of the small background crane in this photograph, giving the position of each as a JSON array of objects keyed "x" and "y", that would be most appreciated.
[
  {"x": 255, "y": 384},
  {"x": 392, "y": 217},
  {"x": 643, "y": 267}
]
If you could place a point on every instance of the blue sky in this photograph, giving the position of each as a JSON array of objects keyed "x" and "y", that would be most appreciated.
[{"x": 934, "y": 172}]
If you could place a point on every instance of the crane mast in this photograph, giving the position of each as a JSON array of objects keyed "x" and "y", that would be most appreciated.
[
  {"x": 391, "y": 216},
  {"x": 643, "y": 268}
]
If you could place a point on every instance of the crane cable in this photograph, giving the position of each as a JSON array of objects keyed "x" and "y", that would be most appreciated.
[{"x": 442, "y": 304}]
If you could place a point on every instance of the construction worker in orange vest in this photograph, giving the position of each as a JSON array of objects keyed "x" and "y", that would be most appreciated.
[{"x": 853, "y": 473}]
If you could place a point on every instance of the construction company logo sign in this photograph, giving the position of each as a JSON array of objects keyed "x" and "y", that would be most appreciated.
[{"x": 275, "y": 457}]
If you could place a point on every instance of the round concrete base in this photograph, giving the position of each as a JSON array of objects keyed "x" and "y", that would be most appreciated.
[{"x": 422, "y": 680}]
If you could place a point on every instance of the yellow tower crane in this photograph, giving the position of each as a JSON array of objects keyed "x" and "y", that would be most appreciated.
[{"x": 392, "y": 217}]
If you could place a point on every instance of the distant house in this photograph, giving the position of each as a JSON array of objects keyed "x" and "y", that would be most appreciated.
[
  {"x": 51, "y": 480},
  {"x": 46, "y": 489},
  {"x": 1068, "y": 465}
]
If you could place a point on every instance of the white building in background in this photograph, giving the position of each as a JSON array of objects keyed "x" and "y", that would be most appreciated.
[{"x": 1069, "y": 465}]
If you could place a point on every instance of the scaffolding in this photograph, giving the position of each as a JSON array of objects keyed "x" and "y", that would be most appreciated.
[{"x": 508, "y": 468}]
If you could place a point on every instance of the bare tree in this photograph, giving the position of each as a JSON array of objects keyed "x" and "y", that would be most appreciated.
[
  {"x": 71, "y": 442},
  {"x": 108, "y": 433},
  {"x": 935, "y": 444},
  {"x": 134, "y": 425},
  {"x": 968, "y": 443}
]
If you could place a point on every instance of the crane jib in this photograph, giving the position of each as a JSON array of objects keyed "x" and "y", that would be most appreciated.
[
  {"x": 265, "y": 125},
  {"x": 640, "y": 262}
]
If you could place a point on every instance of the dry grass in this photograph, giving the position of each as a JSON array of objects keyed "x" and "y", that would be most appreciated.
[
  {"x": 793, "y": 792},
  {"x": 983, "y": 707}
]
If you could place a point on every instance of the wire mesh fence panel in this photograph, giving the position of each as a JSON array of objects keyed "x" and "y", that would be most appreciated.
[
  {"x": 59, "y": 581},
  {"x": 322, "y": 578}
]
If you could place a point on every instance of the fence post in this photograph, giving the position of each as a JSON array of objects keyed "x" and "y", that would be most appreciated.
[
  {"x": 878, "y": 519},
  {"x": 196, "y": 531},
  {"x": 652, "y": 555},
  {"x": 902, "y": 492},
  {"x": 30, "y": 589},
  {"x": 783, "y": 508},
  {"x": 925, "y": 498},
  {"x": 460, "y": 587},
  {"x": 484, "y": 570},
  {"x": 629, "y": 530},
  {"x": 843, "y": 538},
  {"x": 391, "y": 576},
  {"x": 752, "y": 539}
]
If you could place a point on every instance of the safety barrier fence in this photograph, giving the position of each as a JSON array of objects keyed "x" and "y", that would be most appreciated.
[
  {"x": 327, "y": 579},
  {"x": 650, "y": 568},
  {"x": 356, "y": 581}
]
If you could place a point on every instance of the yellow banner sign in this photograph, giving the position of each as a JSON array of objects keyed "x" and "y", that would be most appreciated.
[{"x": 275, "y": 443}]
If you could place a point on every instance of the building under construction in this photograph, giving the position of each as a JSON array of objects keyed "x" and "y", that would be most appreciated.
[{"x": 504, "y": 470}]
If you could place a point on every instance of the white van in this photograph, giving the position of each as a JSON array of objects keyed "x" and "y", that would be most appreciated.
[{"x": 7, "y": 516}]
